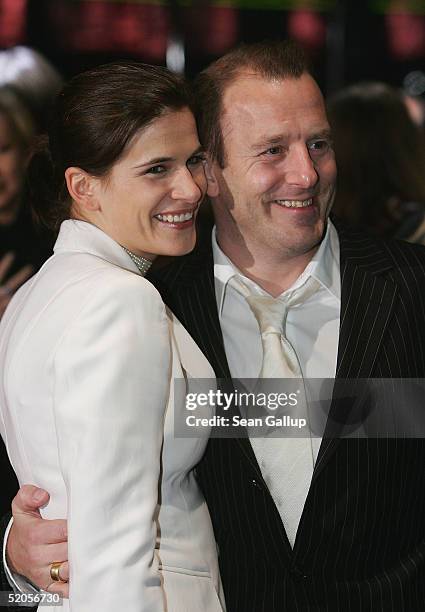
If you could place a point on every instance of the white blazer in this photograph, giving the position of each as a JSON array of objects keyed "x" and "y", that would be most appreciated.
[{"x": 88, "y": 354}]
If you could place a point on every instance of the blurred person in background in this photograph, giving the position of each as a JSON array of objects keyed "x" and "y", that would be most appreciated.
[
  {"x": 34, "y": 77},
  {"x": 416, "y": 109},
  {"x": 380, "y": 155},
  {"x": 22, "y": 248}
]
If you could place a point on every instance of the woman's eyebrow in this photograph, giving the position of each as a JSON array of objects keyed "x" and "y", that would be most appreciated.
[{"x": 154, "y": 160}]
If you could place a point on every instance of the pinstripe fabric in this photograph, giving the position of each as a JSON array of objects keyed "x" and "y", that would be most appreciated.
[{"x": 361, "y": 541}]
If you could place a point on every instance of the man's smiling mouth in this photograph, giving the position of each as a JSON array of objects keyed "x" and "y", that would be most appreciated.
[{"x": 294, "y": 203}]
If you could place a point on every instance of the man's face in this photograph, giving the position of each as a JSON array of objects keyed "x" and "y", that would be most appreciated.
[{"x": 278, "y": 182}]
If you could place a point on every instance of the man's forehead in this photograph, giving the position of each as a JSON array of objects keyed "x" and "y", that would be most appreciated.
[
  {"x": 245, "y": 86},
  {"x": 254, "y": 100},
  {"x": 252, "y": 89},
  {"x": 244, "y": 77}
]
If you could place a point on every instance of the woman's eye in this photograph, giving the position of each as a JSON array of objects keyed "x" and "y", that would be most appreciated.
[
  {"x": 195, "y": 160},
  {"x": 156, "y": 170}
]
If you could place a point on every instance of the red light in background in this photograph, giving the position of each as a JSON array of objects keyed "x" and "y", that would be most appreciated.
[
  {"x": 406, "y": 35},
  {"x": 308, "y": 28},
  {"x": 213, "y": 29},
  {"x": 123, "y": 27},
  {"x": 12, "y": 22}
]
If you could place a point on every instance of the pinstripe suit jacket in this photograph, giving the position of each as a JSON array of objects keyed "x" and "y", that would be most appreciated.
[{"x": 361, "y": 540}]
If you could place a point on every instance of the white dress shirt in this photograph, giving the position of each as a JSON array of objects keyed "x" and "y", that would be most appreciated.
[{"x": 312, "y": 327}]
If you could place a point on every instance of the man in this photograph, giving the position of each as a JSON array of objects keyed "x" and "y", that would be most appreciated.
[{"x": 359, "y": 540}]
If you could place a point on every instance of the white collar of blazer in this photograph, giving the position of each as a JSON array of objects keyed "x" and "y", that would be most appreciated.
[{"x": 82, "y": 237}]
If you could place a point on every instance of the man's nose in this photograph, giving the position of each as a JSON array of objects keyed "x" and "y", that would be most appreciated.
[
  {"x": 186, "y": 188},
  {"x": 300, "y": 169}
]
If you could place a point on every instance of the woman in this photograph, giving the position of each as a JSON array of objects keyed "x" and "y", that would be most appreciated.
[
  {"x": 22, "y": 248},
  {"x": 380, "y": 155},
  {"x": 89, "y": 352},
  {"x": 34, "y": 77}
]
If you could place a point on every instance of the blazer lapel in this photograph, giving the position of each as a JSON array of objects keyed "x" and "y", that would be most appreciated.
[{"x": 367, "y": 300}]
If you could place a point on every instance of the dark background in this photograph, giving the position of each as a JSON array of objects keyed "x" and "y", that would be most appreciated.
[{"x": 348, "y": 40}]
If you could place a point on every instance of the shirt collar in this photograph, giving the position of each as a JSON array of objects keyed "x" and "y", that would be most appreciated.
[{"x": 324, "y": 267}]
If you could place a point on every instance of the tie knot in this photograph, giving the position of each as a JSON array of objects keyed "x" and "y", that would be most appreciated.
[{"x": 271, "y": 312}]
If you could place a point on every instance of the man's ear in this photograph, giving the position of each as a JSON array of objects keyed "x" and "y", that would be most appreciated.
[
  {"x": 212, "y": 184},
  {"x": 82, "y": 188}
]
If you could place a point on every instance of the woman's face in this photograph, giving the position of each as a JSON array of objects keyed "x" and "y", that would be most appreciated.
[
  {"x": 150, "y": 199},
  {"x": 11, "y": 167}
]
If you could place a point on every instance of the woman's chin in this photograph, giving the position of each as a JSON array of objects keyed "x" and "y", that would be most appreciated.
[{"x": 177, "y": 248}]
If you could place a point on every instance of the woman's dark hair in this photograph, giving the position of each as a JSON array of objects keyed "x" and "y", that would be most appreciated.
[
  {"x": 93, "y": 120},
  {"x": 380, "y": 156}
]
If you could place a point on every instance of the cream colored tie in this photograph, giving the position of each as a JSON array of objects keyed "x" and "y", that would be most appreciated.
[{"x": 286, "y": 463}]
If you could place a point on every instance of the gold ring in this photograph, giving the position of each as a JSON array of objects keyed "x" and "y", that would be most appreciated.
[{"x": 54, "y": 571}]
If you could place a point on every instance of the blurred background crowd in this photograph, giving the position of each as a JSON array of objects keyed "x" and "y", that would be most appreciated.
[{"x": 368, "y": 57}]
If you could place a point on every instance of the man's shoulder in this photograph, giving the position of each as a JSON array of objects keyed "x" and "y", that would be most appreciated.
[
  {"x": 412, "y": 252},
  {"x": 362, "y": 247},
  {"x": 180, "y": 272}
]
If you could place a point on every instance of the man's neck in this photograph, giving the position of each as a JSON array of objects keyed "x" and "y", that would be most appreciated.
[{"x": 273, "y": 273}]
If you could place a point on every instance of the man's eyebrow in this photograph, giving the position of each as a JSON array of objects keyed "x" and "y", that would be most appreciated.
[
  {"x": 265, "y": 140},
  {"x": 325, "y": 133}
]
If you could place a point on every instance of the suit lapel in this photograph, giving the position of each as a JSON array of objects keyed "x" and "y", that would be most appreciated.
[
  {"x": 367, "y": 301},
  {"x": 192, "y": 297}
]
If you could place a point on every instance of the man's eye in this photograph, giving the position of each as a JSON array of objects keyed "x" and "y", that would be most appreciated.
[
  {"x": 195, "y": 160},
  {"x": 274, "y": 150},
  {"x": 156, "y": 170},
  {"x": 319, "y": 145},
  {"x": 5, "y": 148}
]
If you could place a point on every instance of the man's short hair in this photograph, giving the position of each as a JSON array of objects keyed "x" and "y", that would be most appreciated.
[{"x": 271, "y": 60}]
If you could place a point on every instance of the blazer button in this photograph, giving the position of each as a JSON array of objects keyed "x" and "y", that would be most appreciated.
[
  {"x": 255, "y": 484},
  {"x": 297, "y": 572}
]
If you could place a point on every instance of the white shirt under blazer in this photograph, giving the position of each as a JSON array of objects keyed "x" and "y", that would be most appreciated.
[{"x": 88, "y": 354}]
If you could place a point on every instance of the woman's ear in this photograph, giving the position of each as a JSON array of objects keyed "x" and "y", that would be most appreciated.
[
  {"x": 82, "y": 188},
  {"x": 212, "y": 184}
]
